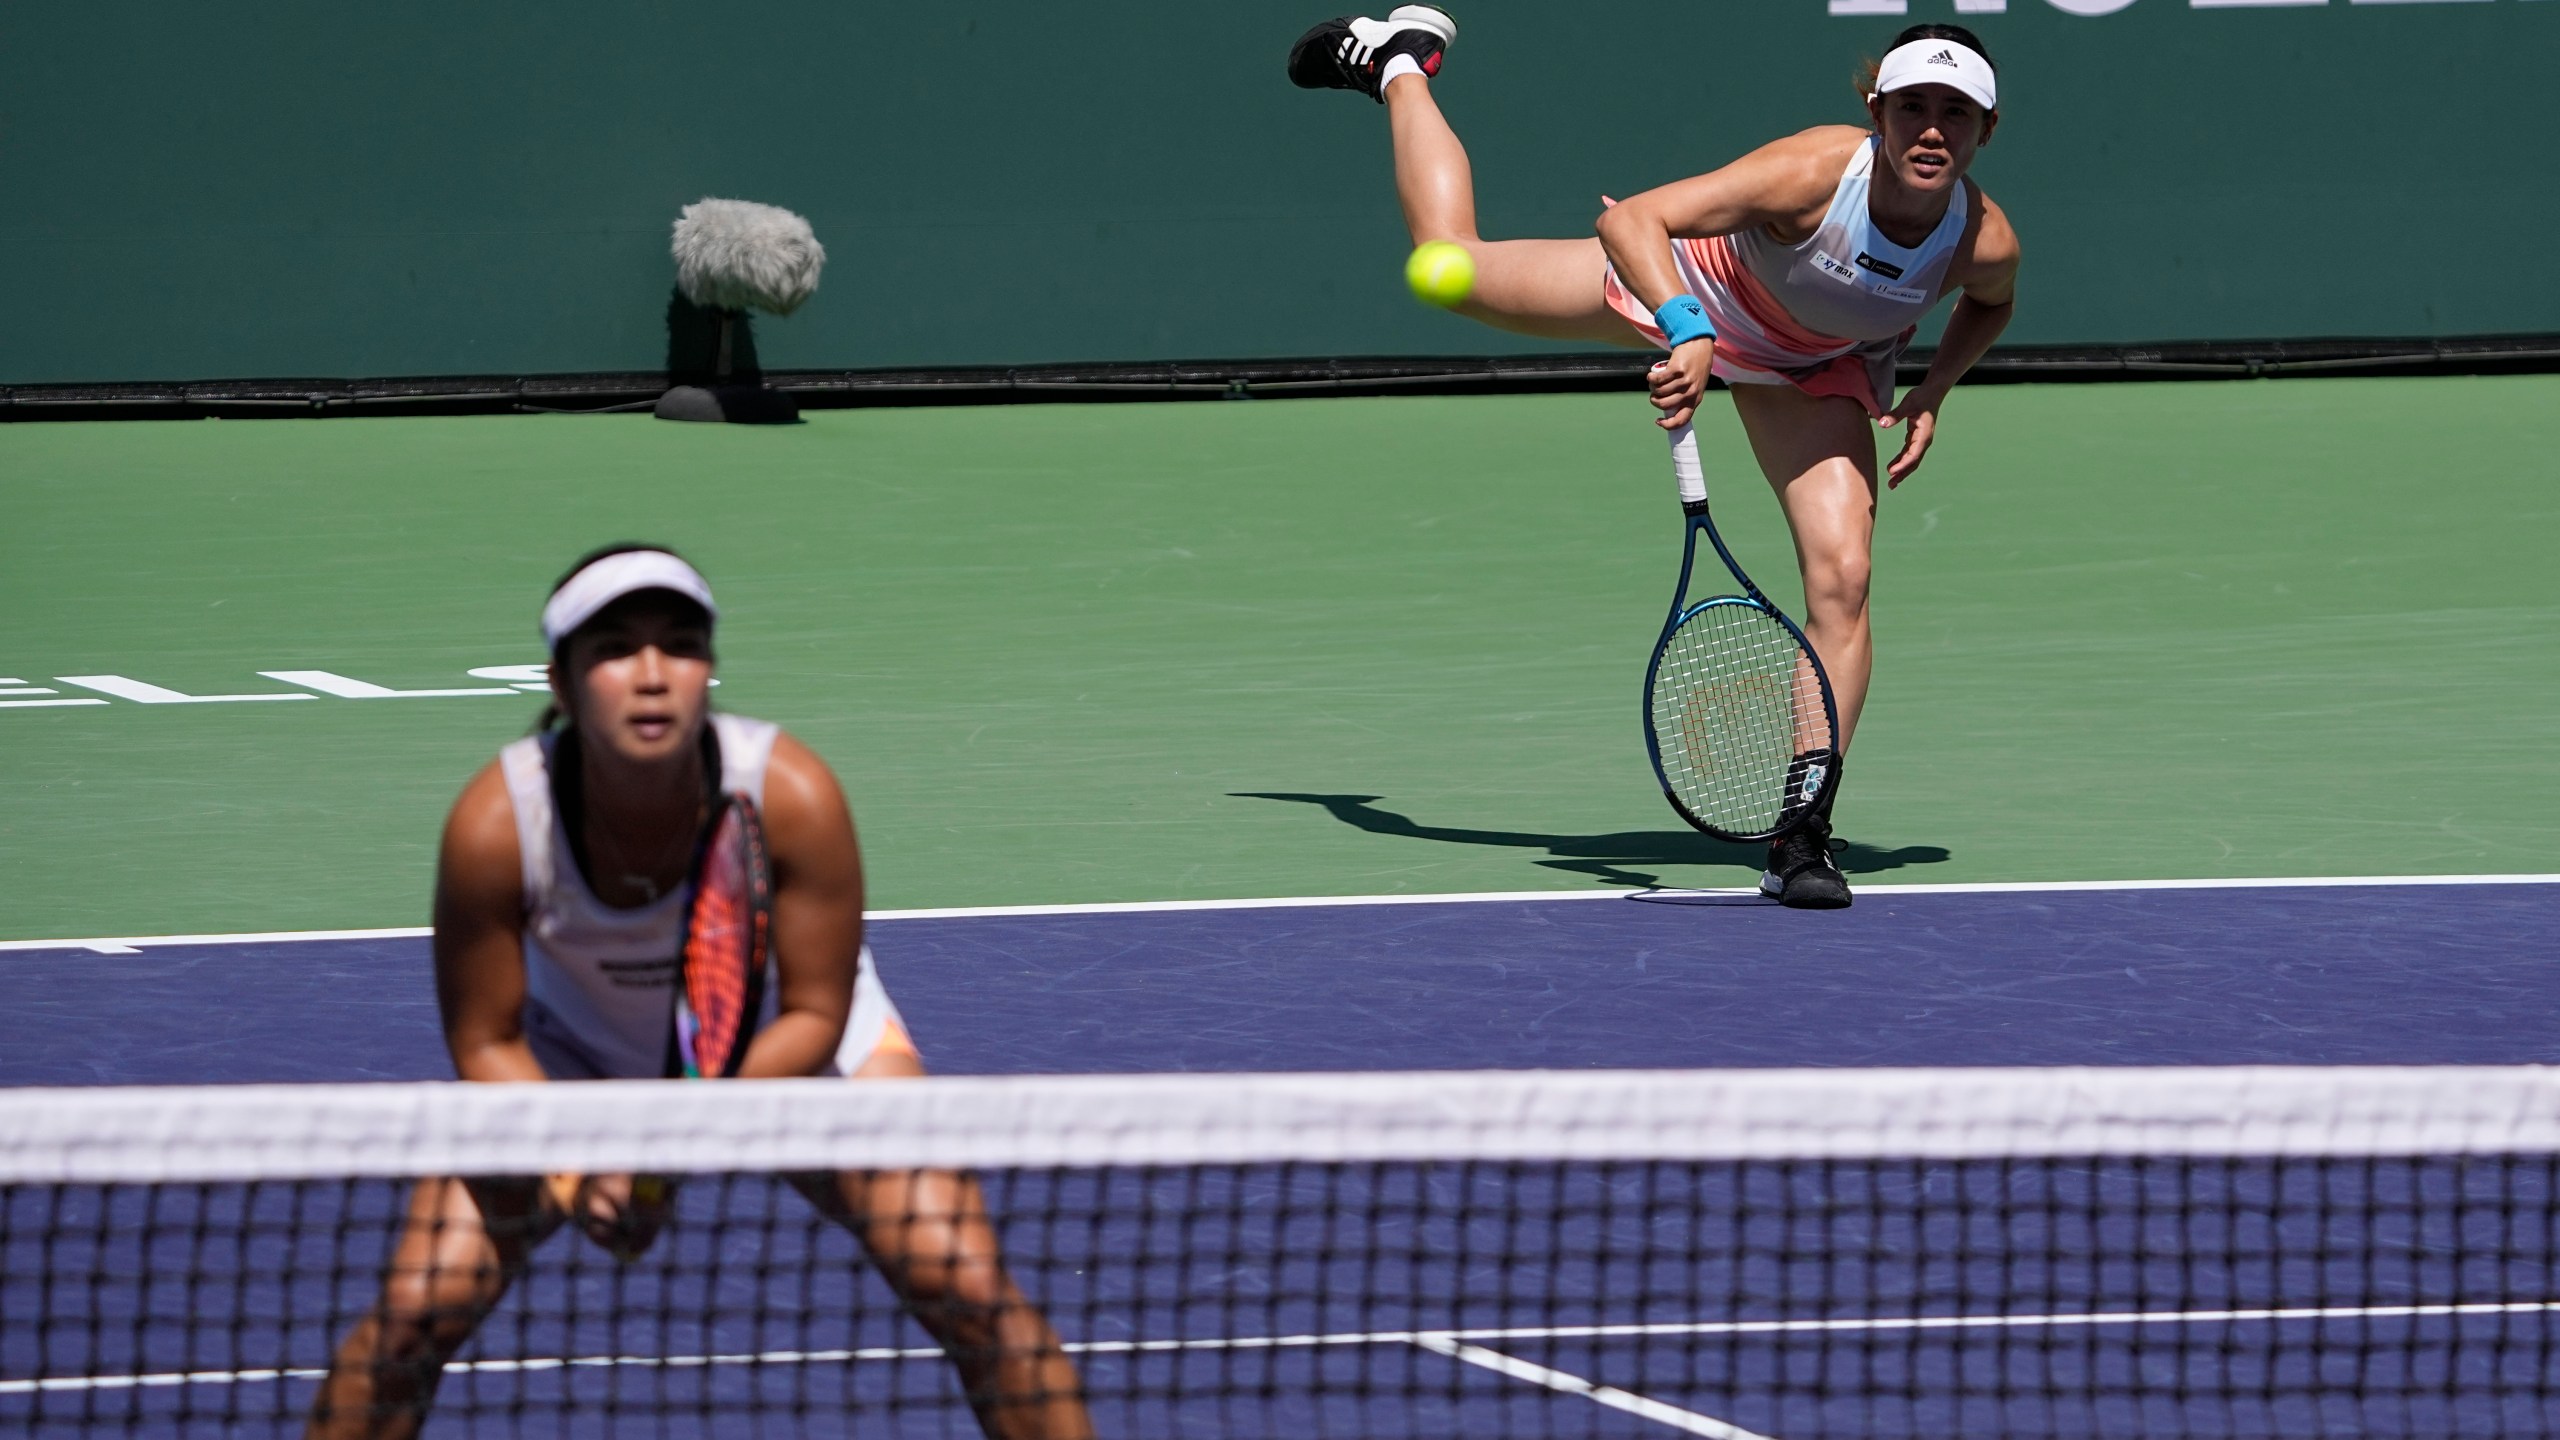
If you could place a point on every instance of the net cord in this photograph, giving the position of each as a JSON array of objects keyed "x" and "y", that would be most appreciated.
[{"x": 216, "y": 1133}]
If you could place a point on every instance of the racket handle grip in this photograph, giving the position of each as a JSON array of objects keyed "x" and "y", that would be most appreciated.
[{"x": 1686, "y": 467}]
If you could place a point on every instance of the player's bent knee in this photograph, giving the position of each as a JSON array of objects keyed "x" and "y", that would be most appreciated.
[
  {"x": 949, "y": 1277},
  {"x": 439, "y": 1300},
  {"x": 963, "y": 1304},
  {"x": 1835, "y": 587},
  {"x": 938, "y": 1262}
]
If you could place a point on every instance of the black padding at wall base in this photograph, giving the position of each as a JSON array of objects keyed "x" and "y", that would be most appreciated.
[
  {"x": 1615, "y": 370},
  {"x": 2248, "y": 359}
]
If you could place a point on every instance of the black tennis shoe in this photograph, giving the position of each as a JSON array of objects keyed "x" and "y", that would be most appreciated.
[
  {"x": 1351, "y": 52},
  {"x": 1801, "y": 874}
]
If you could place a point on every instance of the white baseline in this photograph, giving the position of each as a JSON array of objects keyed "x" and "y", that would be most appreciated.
[{"x": 130, "y": 944}]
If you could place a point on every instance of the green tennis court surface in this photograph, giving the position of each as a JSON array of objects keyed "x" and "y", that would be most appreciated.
[{"x": 2131, "y": 631}]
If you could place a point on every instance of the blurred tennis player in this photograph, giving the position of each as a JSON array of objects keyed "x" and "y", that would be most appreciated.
[
  {"x": 1796, "y": 273},
  {"x": 560, "y": 908}
]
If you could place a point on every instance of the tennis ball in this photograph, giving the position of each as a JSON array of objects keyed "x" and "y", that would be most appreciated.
[{"x": 1441, "y": 273}]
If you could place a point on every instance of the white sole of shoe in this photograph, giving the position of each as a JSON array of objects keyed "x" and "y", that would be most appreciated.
[{"x": 1426, "y": 17}]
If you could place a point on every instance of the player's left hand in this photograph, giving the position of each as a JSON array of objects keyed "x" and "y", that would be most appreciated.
[
  {"x": 622, "y": 1213},
  {"x": 1918, "y": 417}
]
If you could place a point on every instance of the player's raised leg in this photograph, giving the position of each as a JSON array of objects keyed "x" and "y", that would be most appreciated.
[{"x": 1547, "y": 288}]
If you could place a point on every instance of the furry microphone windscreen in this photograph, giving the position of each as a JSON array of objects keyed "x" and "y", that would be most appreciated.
[{"x": 739, "y": 255}]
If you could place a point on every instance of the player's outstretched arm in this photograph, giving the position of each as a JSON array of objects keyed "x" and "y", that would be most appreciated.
[{"x": 1988, "y": 276}]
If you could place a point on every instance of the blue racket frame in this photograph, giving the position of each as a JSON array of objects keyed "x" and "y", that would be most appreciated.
[{"x": 1681, "y": 612}]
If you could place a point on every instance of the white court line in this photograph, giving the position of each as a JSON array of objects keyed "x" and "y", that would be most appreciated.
[
  {"x": 134, "y": 945},
  {"x": 2070, "y": 1321},
  {"x": 126, "y": 945},
  {"x": 1445, "y": 1342},
  {"x": 1979, "y": 887},
  {"x": 1514, "y": 1368}
]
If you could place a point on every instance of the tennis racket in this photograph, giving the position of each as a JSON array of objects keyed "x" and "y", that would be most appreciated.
[
  {"x": 727, "y": 942},
  {"x": 728, "y": 929},
  {"x": 1737, "y": 710}
]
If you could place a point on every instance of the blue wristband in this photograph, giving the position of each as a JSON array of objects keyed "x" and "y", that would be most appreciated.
[{"x": 1682, "y": 320}]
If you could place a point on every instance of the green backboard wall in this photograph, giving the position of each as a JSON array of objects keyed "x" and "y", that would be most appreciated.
[{"x": 469, "y": 186}]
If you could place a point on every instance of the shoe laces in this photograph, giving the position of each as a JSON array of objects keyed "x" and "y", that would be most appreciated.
[
  {"x": 1796, "y": 849},
  {"x": 1808, "y": 845},
  {"x": 1359, "y": 53}
]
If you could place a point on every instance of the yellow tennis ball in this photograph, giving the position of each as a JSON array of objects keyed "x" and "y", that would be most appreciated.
[{"x": 1441, "y": 273}]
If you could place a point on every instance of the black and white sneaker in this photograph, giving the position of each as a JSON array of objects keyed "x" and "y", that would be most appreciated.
[
  {"x": 1801, "y": 873},
  {"x": 1352, "y": 52}
]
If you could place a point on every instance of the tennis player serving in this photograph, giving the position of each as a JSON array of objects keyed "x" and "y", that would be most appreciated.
[
  {"x": 564, "y": 898},
  {"x": 1796, "y": 273}
]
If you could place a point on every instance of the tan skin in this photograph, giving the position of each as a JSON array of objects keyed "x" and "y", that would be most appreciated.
[
  {"x": 1817, "y": 452},
  {"x": 636, "y": 683}
]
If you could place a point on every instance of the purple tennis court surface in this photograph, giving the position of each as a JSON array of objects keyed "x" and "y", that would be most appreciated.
[
  {"x": 2303, "y": 975},
  {"x": 2436, "y": 974}
]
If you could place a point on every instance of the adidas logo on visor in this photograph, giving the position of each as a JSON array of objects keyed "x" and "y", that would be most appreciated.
[{"x": 1944, "y": 57}]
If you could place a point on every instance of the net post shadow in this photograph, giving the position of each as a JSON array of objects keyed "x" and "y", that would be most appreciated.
[{"x": 1606, "y": 856}]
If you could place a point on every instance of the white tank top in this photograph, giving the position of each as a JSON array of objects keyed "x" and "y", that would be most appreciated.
[
  {"x": 1847, "y": 280},
  {"x": 600, "y": 981},
  {"x": 1830, "y": 314}
]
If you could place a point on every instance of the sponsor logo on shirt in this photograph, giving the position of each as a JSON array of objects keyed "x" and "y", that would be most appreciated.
[
  {"x": 1845, "y": 274},
  {"x": 1885, "y": 268},
  {"x": 1903, "y": 294}
]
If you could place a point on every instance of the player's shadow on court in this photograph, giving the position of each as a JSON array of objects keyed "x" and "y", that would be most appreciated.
[{"x": 1606, "y": 857}]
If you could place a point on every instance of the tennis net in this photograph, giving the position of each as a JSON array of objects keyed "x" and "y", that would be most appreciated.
[{"x": 2096, "y": 1252}]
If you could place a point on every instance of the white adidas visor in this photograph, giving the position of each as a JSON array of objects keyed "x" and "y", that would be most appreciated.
[
  {"x": 611, "y": 578},
  {"x": 1939, "y": 62}
]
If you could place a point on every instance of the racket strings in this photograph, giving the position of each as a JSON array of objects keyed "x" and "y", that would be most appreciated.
[{"x": 1735, "y": 700}]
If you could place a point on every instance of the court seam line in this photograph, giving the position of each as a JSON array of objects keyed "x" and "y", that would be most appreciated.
[
  {"x": 1427, "y": 1339},
  {"x": 131, "y": 944},
  {"x": 1512, "y": 1367}
]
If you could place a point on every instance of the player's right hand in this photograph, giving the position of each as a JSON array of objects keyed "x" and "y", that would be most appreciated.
[{"x": 1679, "y": 382}]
